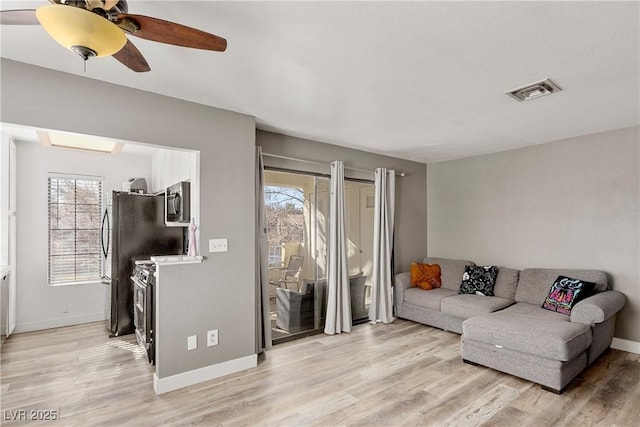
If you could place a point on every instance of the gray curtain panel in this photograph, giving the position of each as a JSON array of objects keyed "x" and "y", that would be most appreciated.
[
  {"x": 381, "y": 308},
  {"x": 339, "y": 296}
]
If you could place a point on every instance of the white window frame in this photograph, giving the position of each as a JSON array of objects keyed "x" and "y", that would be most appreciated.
[
  {"x": 275, "y": 256},
  {"x": 51, "y": 281}
]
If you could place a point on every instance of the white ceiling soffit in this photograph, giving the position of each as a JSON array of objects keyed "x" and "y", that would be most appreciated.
[
  {"x": 418, "y": 80},
  {"x": 74, "y": 141}
]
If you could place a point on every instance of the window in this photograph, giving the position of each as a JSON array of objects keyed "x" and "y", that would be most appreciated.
[
  {"x": 284, "y": 207},
  {"x": 75, "y": 207},
  {"x": 275, "y": 256}
]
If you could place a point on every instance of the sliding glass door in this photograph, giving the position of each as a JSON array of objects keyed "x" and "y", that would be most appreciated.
[
  {"x": 359, "y": 209},
  {"x": 297, "y": 207}
]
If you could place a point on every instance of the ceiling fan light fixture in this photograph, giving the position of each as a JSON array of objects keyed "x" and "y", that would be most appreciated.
[
  {"x": 81, "y": 31},
  {"x": 84, "y": 52}
]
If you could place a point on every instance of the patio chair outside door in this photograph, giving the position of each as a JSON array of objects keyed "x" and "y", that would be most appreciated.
[{"x": 290, "y": 273}]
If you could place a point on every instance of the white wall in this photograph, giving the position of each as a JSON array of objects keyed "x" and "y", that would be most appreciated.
[
  {"x": 40, "y": 306},
  {"x": 4, "y": 200},
  {"x": 566, "y": 204}
]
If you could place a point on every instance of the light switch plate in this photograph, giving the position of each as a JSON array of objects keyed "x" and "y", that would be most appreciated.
[{"x": 218, "y": 245}]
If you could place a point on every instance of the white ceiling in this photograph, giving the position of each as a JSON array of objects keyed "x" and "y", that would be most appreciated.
[{"x": 418, "y": 80}]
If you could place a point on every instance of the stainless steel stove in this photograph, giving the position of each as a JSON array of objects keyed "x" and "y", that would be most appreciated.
[{"x": 144, "y": 280}]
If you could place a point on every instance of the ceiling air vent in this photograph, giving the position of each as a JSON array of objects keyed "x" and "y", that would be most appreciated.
[{"x": 534, "y": 90}]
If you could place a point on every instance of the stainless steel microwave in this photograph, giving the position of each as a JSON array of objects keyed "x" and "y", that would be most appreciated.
[{"x": 178, "y": 200}]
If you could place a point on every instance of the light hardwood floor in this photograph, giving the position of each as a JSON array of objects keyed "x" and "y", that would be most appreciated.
[{"x": 403, "y": 374}]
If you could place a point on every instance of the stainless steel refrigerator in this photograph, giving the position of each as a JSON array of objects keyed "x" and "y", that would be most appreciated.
[{"x": 138, "y": 231}]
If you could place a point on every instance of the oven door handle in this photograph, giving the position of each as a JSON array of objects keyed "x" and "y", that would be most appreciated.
[{"x": 138, "y": 283}]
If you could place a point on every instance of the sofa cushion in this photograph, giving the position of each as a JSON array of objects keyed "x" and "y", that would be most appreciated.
[
  {"x": 427, "y": 299},
  {"x": 467, "y": 305},
  {"x": 506, "y": 283},
  {"x": 425, "y": 276},
  {"x": 529, "y": 329},
  {"x": 534, "y": 283},
  {"x": 565, "y": 293},
  {"x": 451, "y": 271},
  {"x": 478, "y": 280},
  {"x": 525, "y": 309}
]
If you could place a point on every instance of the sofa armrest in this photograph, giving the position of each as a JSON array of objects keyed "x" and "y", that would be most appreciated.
[
  {"x": 598, "y": 308},
  {"x": 401, "y": 282}
]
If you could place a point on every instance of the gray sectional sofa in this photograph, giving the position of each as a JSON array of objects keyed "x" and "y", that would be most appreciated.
[{"x": 510, "y": 331}]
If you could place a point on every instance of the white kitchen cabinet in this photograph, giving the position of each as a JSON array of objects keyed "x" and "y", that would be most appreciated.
[
  {"x": 161, "y": 170},
  {"x": 181, "y": 166},
  {"x": 171, "y": 166}
]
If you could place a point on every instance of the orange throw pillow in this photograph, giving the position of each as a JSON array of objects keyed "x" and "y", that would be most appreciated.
[{"x": 425, "y": 276}]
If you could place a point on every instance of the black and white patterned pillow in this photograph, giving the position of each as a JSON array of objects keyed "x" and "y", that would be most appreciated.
[{"x": 478, "y": 280}]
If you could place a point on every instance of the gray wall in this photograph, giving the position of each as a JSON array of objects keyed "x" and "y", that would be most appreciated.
[
  {"x": 219, "y": 293},
  {"x": 411, "y": 199},
  {"x": 568, "y": 204},
  {"x": 39, "y": 305}
]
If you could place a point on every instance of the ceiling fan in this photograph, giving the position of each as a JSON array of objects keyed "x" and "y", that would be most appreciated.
[{"x": 94, "y": 28}]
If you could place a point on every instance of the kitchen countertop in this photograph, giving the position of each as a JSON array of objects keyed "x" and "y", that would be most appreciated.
[
  {"x": 4, "y": 269},
  {"x": 176, "y": 259}
]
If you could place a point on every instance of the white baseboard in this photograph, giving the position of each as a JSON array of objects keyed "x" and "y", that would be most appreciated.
[
  {"x": 185, "y": 379},
  {"x": 626, "y": 345},
  {"x": 39, "y": 325}
]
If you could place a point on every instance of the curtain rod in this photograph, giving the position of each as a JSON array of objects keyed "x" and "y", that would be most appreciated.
[{"x": 278, "y": 156}]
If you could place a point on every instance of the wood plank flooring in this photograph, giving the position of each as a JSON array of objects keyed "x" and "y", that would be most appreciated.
[{"x": 403, "y": 374}]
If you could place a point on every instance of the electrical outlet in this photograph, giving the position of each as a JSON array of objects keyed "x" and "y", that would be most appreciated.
[
  {"x": 192, "y": 342},
  {"x": 212, "y": 338}
]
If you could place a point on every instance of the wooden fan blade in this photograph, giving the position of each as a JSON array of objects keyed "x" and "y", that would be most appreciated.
[
  {"x": 131, "y": 57},
  {"x": 19, "y": 17},
  {"x": 162, "y": 31}
]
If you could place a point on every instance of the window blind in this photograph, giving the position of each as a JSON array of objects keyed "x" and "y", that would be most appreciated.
[{"x": 75, "y": 207}]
